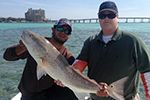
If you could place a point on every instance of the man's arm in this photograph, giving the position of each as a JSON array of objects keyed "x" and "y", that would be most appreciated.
[
  {"x": 146, "y": 83},
  {"x": 15, "y": 52},
  {"x": 79, "y": 65}
]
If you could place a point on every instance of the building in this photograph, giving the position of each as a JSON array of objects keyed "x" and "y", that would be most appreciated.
[{"x": 35, "y": 15}]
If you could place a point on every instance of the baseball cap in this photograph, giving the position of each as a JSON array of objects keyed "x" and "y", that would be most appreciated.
[
  {"x": 63, "y": 22},
  {"x": 108, "y": 6}
]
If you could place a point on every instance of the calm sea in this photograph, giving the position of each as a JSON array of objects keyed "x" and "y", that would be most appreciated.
[{"x": 10, "y": 71}]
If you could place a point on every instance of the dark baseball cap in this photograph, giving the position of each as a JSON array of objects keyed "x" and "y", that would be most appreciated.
[{"x": 108, "y": 6}]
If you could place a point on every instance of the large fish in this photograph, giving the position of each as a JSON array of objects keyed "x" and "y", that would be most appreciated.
[{"x": 51, "y": 62}]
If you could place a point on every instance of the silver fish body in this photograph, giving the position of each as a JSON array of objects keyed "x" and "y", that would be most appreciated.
[{"x": 54, "y": 64}]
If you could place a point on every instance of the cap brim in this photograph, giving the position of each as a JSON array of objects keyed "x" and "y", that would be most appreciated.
[
  {"x": 63, "y": 24},
  {"x": 114, "y": 11}
]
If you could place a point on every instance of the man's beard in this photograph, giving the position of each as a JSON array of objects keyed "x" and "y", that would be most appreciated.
[{"x": 58, "y": 40}]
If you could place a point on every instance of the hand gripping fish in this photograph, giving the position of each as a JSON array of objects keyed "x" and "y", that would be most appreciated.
[{"x": 51, "y": 62}]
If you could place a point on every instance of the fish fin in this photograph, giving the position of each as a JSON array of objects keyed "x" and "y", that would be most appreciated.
[
  {"x": 85, "y": 77},
  {"x": 40, "y": 72},
  {"x": 116, "y": 89}
]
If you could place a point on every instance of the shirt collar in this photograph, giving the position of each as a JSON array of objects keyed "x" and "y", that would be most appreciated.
[{"x": 116, "y": 36}]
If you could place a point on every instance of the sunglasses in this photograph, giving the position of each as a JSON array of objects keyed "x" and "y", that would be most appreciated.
[
  {"x": 110, "y": 16},
  {"x": 65, "y": 29}
]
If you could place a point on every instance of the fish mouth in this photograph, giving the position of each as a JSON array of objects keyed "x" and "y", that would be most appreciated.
[
  {"x": 26, "y": 35},
  {"x": 23, "y": 36}
]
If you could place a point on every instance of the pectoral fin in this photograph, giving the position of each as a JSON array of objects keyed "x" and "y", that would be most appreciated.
[
  {"x": 40, "y": 68},
  {"x": 40, "y": 72}
]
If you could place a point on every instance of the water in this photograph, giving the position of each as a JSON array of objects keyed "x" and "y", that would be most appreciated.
[{"x": 10, "y": 71}]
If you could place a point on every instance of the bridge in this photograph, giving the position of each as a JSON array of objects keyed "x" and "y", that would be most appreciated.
[{"x": 121, "y": 19}]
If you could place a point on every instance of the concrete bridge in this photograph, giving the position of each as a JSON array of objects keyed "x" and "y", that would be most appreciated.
[{"x": 121, "y": 19}]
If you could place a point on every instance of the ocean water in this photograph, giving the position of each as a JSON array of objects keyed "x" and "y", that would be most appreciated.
[{"x": 11, "y": 71}]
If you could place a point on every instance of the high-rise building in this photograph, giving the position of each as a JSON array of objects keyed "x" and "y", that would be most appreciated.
[{"x": 35, "y": 15}]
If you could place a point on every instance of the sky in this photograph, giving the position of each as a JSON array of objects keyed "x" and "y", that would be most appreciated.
[{"x": 72, "y": 9}]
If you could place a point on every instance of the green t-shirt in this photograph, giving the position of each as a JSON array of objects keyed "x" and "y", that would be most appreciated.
[{"x": 124, "y": 56}]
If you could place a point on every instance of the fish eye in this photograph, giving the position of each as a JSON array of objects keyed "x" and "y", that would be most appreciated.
[
  {"x": 111, "y": 86},
  {"x": 30, "y": 35}
]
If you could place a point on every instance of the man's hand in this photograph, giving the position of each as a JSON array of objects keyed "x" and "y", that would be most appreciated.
[
  {"x": 59, "y": 83},
  {"x": 20, "y": 48},
  {"x": 102, "y": 90}
]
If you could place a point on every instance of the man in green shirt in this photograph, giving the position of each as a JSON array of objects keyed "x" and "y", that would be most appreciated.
[{"x": 114, "y": 54}]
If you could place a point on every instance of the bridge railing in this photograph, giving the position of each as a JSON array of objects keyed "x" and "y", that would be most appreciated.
[{"x": 121, "y": 19}]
